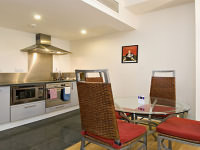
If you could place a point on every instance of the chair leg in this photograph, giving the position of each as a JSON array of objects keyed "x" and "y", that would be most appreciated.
[
  {"x": 170, "y": 145},
  {"x": 159, "y": 142},
  {"x": 82, "y": 143},
  {"x": 145, "y": 141}
]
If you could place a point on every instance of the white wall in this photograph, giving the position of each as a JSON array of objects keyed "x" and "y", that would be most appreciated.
[
  {"x": 197, "y": 5},
  {"x": 166, "y": 41},
  {"x": 13, "y": 60},
  {"x": 61, "y": 62}
]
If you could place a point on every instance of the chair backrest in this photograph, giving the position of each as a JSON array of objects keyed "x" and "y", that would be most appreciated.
[
  {"x": 97, "y": 109},
  {"x": 94, "y": 79},
  {"x": 103, "y": 75},
  {"x": 163, "y": 88}
]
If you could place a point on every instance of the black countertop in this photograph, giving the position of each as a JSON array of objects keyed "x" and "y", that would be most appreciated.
[{"x": 32, "y": 82}]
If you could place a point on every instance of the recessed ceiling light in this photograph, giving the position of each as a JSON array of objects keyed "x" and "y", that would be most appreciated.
[
  {"x": 37, "y": 17},
  {"x": 83, "y": 31}
]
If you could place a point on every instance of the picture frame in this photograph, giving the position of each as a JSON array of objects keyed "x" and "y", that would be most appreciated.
[{"x": 130, "y": 54}]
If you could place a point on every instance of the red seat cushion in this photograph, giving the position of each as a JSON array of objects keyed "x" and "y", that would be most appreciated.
[
  {"x": 118, "y": 115},
  {"x": 182, "y": 128},
  {"x": 127, "y": 132}
]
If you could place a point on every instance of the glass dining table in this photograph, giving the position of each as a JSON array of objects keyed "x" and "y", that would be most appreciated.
[{"x": 149, "y": 110}]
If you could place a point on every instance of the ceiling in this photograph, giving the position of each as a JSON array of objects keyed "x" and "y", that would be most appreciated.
[
  {"x": 65, "y": 18},
  {"x": 62, "y": 19},
  {"x": 145, "y": 6}
]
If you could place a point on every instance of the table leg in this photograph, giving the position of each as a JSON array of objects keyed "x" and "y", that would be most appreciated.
[
  {"x": 135, "y": 117},
  {"x": 185, "y": 114},
  {"x": 132, "y": 116},
  {"x": 151, "y": 131}
]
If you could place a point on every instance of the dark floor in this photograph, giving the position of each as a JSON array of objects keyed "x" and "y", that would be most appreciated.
[{"x": 56, "y": 133}]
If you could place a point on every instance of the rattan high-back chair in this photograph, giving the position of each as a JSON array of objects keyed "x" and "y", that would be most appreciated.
[
  {"x": 84, "y": 77},
  {"x": 94, "y": 79},
  {"x": 98, "y": 120},
  {"x": 163, "y": 88}
]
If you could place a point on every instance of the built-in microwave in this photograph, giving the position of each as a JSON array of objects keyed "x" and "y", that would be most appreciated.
[{"x": 27, "y": 93}]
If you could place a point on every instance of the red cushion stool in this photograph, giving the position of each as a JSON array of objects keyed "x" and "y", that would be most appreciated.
[{"x": 180, "y": 130}]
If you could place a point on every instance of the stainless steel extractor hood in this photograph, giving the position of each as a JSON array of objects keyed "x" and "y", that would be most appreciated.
[{"x": 43, "y": 45}]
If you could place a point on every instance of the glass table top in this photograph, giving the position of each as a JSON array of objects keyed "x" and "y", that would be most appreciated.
[{"x": 149, "y": 105}]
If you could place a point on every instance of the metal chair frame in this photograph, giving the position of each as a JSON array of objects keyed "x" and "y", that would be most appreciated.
[
  {"x": 163, "y": 71},
  {"x": 102, "y": 72},
  {"x": 127, "y": 147},
  {"x": 161, "y": 145}
]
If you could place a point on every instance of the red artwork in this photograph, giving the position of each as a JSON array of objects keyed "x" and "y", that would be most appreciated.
[{"x": 130, "y": 54}]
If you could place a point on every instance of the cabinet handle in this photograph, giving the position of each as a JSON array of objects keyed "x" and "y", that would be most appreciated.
[
  {"x": 72, "y": 85},
  {"x": 30, "y": 106}
]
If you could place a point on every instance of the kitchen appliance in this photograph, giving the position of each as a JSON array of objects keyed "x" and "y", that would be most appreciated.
[
  {"x": 27, "y": 93},
  {"x": 43, "y": 45},
  {"x": 56, "y": 100}
]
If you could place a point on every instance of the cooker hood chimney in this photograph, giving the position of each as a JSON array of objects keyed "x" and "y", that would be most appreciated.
[{"x": 43, "y": 45}]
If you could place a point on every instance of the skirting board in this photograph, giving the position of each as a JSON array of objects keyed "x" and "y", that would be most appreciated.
[{"x": 37, "y": 118}]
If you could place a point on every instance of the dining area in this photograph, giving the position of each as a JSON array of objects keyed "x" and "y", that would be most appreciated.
[{"x": 154, "y": 121}]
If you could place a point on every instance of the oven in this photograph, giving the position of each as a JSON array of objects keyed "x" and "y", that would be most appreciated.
[
  {"x": 27, "y": 93},
  {"x": 56, "y": 94}
]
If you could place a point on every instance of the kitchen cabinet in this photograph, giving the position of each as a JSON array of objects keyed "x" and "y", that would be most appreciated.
[
  {"x": 27, "y": 110},
  {"x": 74, "y": 94},
  {"x": 59, "y": 107},
  {"x": 4, "y": 104}
]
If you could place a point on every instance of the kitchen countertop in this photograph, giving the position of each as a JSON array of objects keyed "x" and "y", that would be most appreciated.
[{"x": 33, "y": 82}]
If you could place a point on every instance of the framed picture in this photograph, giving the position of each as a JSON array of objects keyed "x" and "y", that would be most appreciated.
[{"x": 130, "y": 54}]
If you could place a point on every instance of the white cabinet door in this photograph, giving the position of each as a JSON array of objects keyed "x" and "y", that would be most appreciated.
[
  {"x": 74, "y": 94},
  {"x": 22, "y": 111},
  {"x": 4, "y": 104}
]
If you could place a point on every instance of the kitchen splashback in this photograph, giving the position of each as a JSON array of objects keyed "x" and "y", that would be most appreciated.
[{"x": 40, "y": 67}]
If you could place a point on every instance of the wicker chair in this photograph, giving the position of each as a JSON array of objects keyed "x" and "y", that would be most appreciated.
[
  {"x": 94, "y": 79},
  {"x": 97, "y": 79},
  {"x": 99, "y": 123},
  {"x": 163, "y": 88},
  {"x": 100, "y": 79},
  {"x": 179, "y": 130}
]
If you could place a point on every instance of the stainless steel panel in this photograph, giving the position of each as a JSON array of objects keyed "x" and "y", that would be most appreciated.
[
  {"x": 40, "y": 67},
  {"x": 43, "y": 39},
  {"x": 43, "y": 45}
]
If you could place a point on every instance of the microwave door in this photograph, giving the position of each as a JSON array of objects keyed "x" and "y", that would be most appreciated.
[{"x": 23, "y": 95}]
